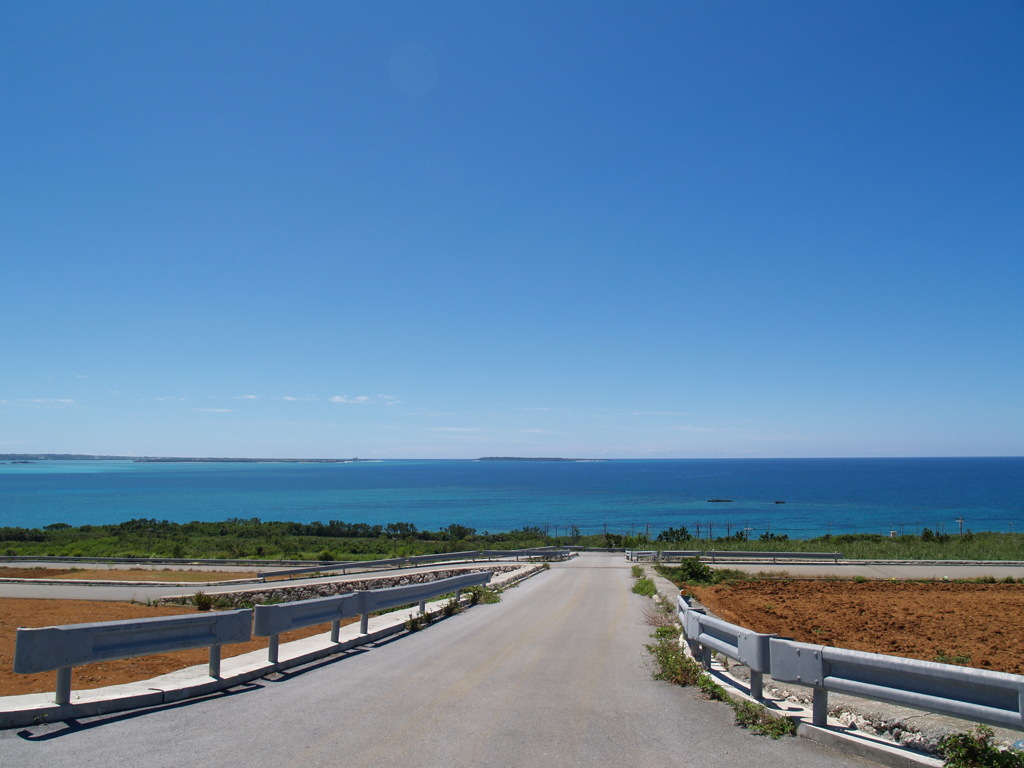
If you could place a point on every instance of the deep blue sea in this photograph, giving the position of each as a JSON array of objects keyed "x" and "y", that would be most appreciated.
[{"x": 621, "y": 496}]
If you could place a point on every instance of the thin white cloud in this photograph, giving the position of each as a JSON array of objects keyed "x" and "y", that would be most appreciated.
[
  {"x": 300, "y": 399},
  {"x": 704, "y": 430},
  {"x": 455, "y": 429},
  {"x": 177, "y": 398},
  {"x": 659, "y": 413},
  {"x": 49, "y": 400},
  {"x": 213, "y": 410},
  {"x": 364, "y": 399},
  {"x": 248, "y": 397}
]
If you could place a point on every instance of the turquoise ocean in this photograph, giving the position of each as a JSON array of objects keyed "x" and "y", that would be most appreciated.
[{"x": 621, "y": 496}]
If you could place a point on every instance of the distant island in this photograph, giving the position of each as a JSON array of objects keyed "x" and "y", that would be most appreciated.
[
  {"x": 531, "y": 458},
  {"x": 28, "y": 458}
]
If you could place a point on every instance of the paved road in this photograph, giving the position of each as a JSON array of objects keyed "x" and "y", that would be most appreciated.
[{"x": 554, "y": 675}]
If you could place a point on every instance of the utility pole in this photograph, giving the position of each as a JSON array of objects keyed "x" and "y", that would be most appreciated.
[{"x": 961, "y": 521}]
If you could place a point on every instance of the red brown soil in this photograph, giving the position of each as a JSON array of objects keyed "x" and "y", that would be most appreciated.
[{"x": 920, "y": 620}]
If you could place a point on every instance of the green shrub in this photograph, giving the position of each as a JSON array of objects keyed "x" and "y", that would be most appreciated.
[
  {"x": 977, "y": 749},
  {"x": 638, "y": 572},
  {"x": 694, "y": 571},
  {"x": 203, "y": 601},
  {"x": 451, "y": 607}
]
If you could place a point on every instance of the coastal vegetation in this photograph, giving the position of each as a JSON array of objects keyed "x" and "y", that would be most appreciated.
[{"x": 252, "y": 538}]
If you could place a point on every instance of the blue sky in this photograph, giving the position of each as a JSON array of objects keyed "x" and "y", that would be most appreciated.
[{"x": 447, "y": 230}]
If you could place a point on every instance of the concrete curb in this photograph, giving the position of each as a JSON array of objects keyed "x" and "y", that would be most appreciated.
[{"x": 194, "y": 682}]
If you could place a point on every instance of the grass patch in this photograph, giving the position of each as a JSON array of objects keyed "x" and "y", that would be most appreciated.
[
  {"x": 645, "y": 587},
  {"x": 962, "y": 659},
  {"x": 758, "y": 719}
]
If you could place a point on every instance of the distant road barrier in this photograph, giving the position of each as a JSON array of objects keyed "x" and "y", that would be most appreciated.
[
  {"x": 272, "y": 620},
  {"x": 62, "y": 648},
  {"x": 472, "y": 555},
  {"x": 666, "y": 555}
]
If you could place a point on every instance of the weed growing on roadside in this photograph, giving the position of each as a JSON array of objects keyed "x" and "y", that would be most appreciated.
[
  {"x": 977, "y": 749},
  {"x": 416, "y": 622},
  {"x": 962, "y": 659},
  {"x": 637, "y": 571},
  {"x": 203, "y": 601},
  {"x": 482, "y": 595},
  {"x": 645, "y": 587},
  {"x": 757, "y": 718},
  {"x": 671, "y": 664},
  {"x": 450, "y": 608}
]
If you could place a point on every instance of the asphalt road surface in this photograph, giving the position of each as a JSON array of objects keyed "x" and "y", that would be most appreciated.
[{"x": 555, "y": 675}]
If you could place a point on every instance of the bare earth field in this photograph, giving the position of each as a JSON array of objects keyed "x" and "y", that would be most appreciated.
[{"x": 934, "y": 621}]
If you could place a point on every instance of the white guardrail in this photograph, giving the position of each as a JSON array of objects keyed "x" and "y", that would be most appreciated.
[
  {"x": 273, "y": 620},
  {"x": 62, "y": 648},
  {"x": 712, "y": 555},
  {"x": 995, "y": 698},
  {"x": 972, "y": 694}
]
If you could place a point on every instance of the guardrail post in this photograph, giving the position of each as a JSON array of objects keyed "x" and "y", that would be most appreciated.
[
  {"x": 214, "y": 661},
  {"x": 364, "y": 623},
  {"x": 756, "y": 685},
  {"x": 819, "y": 713},
  {"x": 272, "y": 648},
  {"x": 63, "y": 693},
  {"x": 458, "y": 596},
  {"x": 705, "y": 657},
  {"x": 423, "y": 606},
  {"x": 335, "y": 628}
]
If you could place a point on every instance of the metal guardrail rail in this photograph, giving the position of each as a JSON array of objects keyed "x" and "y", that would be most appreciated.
[
  {"x": 979, "y": 695},
  {"x": 705, "y": 634},
  {"x": 65, "y": 647},
  {"x": 273, "y": 620}
]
